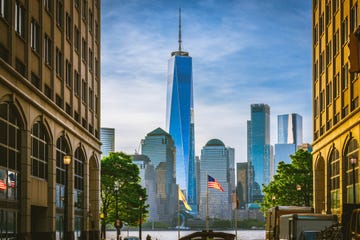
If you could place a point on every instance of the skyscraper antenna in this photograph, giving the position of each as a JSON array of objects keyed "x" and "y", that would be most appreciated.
[{"x": 179, "y": 29}]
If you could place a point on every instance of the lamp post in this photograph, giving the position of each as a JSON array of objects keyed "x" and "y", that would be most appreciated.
[
  {"x": 67, "y": 161},
  {"x": 102, "y": 232},
  {"x": 140, "y": 221},
  {"x": 116, "y": 189},
  {"x": 298, "y": 188},
  {"x": 353, "y": 163}
]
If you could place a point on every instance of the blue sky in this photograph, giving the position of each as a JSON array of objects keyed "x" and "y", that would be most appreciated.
[{"x": 244, "y": 52}]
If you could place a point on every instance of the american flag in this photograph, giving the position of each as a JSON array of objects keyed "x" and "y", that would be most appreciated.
[{"x": 213, "y": 183}]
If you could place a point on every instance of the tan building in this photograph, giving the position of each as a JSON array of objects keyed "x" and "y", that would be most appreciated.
[
  {"x": 336, "y": 115},
  {"x": 49, "y": 108}
]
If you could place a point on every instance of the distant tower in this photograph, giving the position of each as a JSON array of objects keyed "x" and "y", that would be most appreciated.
[
  {"x": 107, "y": 138},
  {"x": 217, "y": 161},
  {"x": 290, "y": 137},
  {"x": 260, "y": 149},
  {"x": 159, "y": 147},
  {"x": 180, "y": 119}
]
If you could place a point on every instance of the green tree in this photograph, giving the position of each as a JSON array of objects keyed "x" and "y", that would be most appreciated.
[
  {"x": 292, "y": 184},
  {"x": 118, "y": 168}
]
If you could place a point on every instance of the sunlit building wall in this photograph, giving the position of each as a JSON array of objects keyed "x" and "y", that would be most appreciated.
[{"x": 335, "y": 101}]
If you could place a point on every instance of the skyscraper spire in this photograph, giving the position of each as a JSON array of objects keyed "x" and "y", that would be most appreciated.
[
  {"x": 179, "y": 52},
  {"x": 179, "y": 29}
]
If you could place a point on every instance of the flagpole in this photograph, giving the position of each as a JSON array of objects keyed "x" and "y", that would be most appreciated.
[
  {"x": 207, "y": 204},
  {"x": 236, "y": 205}
]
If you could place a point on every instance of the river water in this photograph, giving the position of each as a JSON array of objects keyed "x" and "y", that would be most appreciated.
[{"x": 173, "y": 235}]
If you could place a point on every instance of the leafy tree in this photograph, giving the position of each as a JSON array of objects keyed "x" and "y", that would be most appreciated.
[
  {"x": 292, "y": 184},
  {"x": 118, "y": 168}
]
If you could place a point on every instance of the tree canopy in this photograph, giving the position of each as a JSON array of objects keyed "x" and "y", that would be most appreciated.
[
  {"x": 292, "y": 184},
  {"x": 118, "y": 169}
]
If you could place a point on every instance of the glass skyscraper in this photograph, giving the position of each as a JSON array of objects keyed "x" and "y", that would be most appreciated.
[
  {"x": 290, "y": 136},
  {"x": 180, "y": 118},
  {"x": 260, "y": 149},
  {"x": 107, "y": 138}
]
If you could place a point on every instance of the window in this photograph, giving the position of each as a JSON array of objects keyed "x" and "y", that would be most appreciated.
[
  {"x": 20, "y": 19},
  {"x": 96, "y": 31},
  {"x": 39, "y": 151},
  {"x": 59, "y": 13},
  {"x": 328, "y": 53},
  {"x": 62, "y": 149},
  {"x": 322, "y": 101},
  {"x": 336, "y": 86},
  {"x": 321, "y": 24},
  {"x": 77, "y": 4},
  {"x": 336, "y": 42},
  {"x": 345, "y": 77},
  {"x": 34, "y": 35},
  {"x": 335, "y": 178},
  {"x": 321, "y": 62},
  {"x": 10, "y": 151},
  {"x": 35, "y": 80},
  {"x": 344, "y": 30},
  {"x": 316, "y": 72},
  {"x": 48, "y": 5},
  {"x": 59, "y": 101},
  {"x": 84, "y": 50},
  {"x": 90, "y": 21},
  {"x": 68, "y": 73},
  {"x": 47, "y": 50},
  {"x": 96, "y": 68},
  {"x": 352, "y": 151},
  {"x": 84, "y": 91},
  {"x": 68, "y": 26},
  {"x": 328, "y": 12},
  {"x": 59, "y": 63},
  {"x": 4, "y": 6},
  {"x": 91, "y": 99},
  {"x": 329, "y": 93},
  {"x": 96, "y": 104},
  {"x": 76, "y": 83},
  {"x": 354, "y": 18},
  {"x": 76, "y": 39},
  {"x": 48, "y": 91},
  {"x": 316, "y": 33},
  {"x": 79, "y": 160},
  {"x": 335, "y": 5},
  {"x": 90, "y": 60},
  {"x": 84, "y": 9}
]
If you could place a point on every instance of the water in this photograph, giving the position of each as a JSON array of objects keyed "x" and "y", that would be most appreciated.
[{"x": 173, "y": 235}]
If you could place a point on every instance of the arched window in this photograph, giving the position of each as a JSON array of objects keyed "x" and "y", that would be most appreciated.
[
  {"x": 10, "y": 159},
  {"x": 335, "y": 178},
  {"x": 351, "y": 170},
  {"x": 79, "y": 160},
  {"x": 62, "y": 149},
  {"x": 39, "y": 151}
]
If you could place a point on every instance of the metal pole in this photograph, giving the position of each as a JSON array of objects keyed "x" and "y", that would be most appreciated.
[
  {"x": 117, "y": 216},
  {"x": 140, "y": 198},
  {"x": 66, "y": 204}
]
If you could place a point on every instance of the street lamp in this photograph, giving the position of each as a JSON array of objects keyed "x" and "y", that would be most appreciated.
[
  {"x": 67, "y": 161},
  {"x": 116, "y": 189},
  {"x": 298, "y": 188},
  {"x": 140, "y": 206},
  {"x": 102, "y": 231},
  {"x": 353, "y": 163}
]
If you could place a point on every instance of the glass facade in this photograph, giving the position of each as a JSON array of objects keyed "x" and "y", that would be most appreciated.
[
  {"x": 217, "y": 161},
  {"x": 179, "y": 121},
  {"x": 107, "y": 138},
  {"x": 260, "y": 149}
]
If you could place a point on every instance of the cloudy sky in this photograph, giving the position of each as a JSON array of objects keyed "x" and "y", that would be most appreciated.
[{"x": 244, "y": 52}]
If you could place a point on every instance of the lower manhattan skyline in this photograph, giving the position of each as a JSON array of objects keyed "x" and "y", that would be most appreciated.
[{"x": 243, "y": 53}]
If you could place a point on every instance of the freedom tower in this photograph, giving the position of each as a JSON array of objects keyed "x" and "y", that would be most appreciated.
[{"x": 180, "y": 119}]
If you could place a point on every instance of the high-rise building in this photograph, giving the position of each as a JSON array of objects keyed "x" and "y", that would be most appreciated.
[
  {"x": 148, "y": 181},
  {"x": 289, "y": 137},
  {"x": 217, "y": 161},
  {"x": 336, "y": 112},
  {"x": 242, "y": 183},
  {"x": 49, "y": 109},
  {"x": 180, "y": 119},
  {"x": 107, "y": 138},
  {"x": 159, "y": 147},
  {"x": 259, "y": 149}
]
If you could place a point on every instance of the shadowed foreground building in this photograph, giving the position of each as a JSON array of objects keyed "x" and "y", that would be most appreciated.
[{"x": 49, "y": 108}]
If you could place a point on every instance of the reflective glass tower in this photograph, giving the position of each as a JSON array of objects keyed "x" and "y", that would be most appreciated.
[
  {"x": 180, "y": 118},
  {"x": 260, "y": 149}
]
